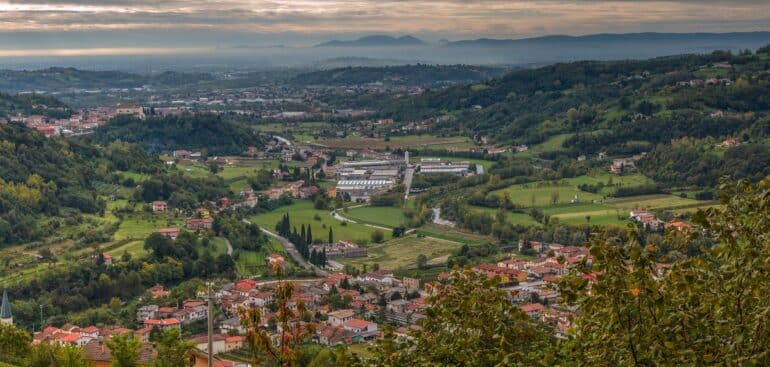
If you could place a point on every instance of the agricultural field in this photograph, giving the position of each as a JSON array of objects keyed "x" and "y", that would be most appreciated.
[
  {"x": 303, "y": 212},
  {"x": 140, "y": 226},
  {"x": 453, "y": 234},
  {"x": 377, "y": 215},
  {"x": 544, "y": 193},
  {"x": 513, "y": 217},
  {"x": 249, "y": 263},
  {"x": 552, "y": 144},
  {"x": 395, "y": 142},
  {"x": 403, "y": 252}
]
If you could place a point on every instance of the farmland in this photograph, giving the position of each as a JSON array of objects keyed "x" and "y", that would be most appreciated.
[
  {"x": 253, "y": 262},
  {"x": 403, "y": 252},
  {"x": 382, "y": 216},
  {"x": 303, "y": 212}
]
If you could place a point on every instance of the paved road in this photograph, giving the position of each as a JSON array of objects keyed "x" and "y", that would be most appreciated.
[
  {"x": 229, "y": 246},
  {"x": 292, "y": 251},
  {"x": 408, "y": 175}
]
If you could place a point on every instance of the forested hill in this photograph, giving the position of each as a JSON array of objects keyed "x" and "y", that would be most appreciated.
[
  {"x": 622, "y": 108},
  {"x": 31, "y": 104},
  {"x": 43, "y": 179},
  {"x": 206, "y": 132},
  {"x": 64, "y": 78},
  {"x": 419, "y": 74}
]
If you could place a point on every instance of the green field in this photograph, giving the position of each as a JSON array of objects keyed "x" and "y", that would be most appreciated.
[
  {"x": 543, "y": 192},
  {"x": 453, "y": 234},
  {"x": 377, "y": 215},
  {"x": 253, "y": 262},
  {"x": 141, "y": 226},
  {"x": 403, "y": 252},
  {"x": 303, "y": 212},
  {"x": 551, "y": 144},
  {"x": 515, "y": 218}
]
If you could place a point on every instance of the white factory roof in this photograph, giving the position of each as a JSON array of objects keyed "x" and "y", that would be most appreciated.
[{"x": 363, "y": 183}]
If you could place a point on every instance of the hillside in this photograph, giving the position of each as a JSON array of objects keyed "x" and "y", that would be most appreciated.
[
  {"x": 42, "y": 179},
  {"x": 66, "y": 78},
  {"x": 31, "y": 104},
  {"x": 619, "y": 108},
  {"x": 400, "y": 75},
  {"x": 375, "y": 40},
  {"x": 162, "y": 134}
]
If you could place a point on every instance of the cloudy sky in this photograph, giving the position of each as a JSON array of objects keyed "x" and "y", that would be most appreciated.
[{"x": 39, "y": 24}]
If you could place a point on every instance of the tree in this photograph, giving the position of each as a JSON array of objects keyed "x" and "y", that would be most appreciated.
[
  {"x": 470, "y": 322},
  {"x": 172, "y": 351},
  {"x": 422, "y": 261},
  {"x": 555, "y": 197},
  {"x": 331, "y": 235},
  {"x": 377, "y": 236},
  {"x": 124, "y": 350},
  {"x": 701, "y": 311},
  {"x": 47, "y": 355},
  {"x": 14, "y": 344},
  {"x": 283, "y": 350}
]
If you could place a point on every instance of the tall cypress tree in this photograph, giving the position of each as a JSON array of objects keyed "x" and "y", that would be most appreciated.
[
  {"x": 302, "y": 231},
  {"x": 331, "y": 235},
  {"x": 309, "y": 235}
]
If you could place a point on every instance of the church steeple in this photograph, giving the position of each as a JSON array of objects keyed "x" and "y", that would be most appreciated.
[{"x": 5, "y": 310}]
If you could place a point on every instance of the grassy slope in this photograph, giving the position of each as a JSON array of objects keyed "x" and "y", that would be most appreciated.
[{"x": 302, "y": 212}]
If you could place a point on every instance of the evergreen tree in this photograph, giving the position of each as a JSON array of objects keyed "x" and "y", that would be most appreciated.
[
  {"x": 331, "y": 235},
  {"x": 309, "y": 235}
]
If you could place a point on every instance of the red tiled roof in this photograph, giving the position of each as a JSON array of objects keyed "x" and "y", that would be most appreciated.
[{"x": 357, "y": 323}]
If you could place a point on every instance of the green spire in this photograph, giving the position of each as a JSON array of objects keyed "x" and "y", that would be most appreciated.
[{"x": 5, "y": 308}]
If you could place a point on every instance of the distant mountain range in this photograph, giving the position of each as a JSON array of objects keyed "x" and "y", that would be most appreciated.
[
  {"x": 613, "y": 38},
  {"x": 375, "y": 40}
]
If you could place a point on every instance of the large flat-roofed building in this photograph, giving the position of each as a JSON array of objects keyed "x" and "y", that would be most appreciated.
[
  {"x": 362, "y": 190},
  {"x": 435, "y": 165},
  {"x": 383, "y": 174},
  {"x": 351, "y": 173},
  {"x": 381, "y": 164}
]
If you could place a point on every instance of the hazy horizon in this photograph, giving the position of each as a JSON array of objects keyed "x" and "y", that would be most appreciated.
[{"x": 146, "y": 24}]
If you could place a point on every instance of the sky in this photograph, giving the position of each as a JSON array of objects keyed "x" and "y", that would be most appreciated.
[{"x": 137, "y": 24}]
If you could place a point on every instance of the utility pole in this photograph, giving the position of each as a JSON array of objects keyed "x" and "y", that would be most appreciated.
[{"x": 211, "y": 325}]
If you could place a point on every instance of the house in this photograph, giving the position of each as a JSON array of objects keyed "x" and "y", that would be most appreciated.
[
  {"x": 218, "y": 343},
  {"x": 163, "y": 324},
  {"x": 147, "y": 312},
  {"x": 171, "y": 233},
  {"x": 130, "y": 109},
  {"x": 678, "y": 225},
  {"x": 182, "y": 154},
  {"x": 333, "y": 335},
  {"x": 378, "y": 277},
  {"x": 359, "y": 326},
  {"x": 98, "y": 354},
  {"x": 340, "y": 317},
  {"x": 233, "y": 343},
  {"x": 532, "y": 309},
  {"x": 158, "y": 291},
  {"x": 196, "y": 224},
  {"x": 159, "y": 206}
]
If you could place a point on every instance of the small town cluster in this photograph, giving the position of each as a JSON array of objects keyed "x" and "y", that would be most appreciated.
[{"x": 345, "y": 309}]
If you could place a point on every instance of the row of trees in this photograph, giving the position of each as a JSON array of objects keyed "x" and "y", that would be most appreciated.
[{"x": 303, "y": 240}]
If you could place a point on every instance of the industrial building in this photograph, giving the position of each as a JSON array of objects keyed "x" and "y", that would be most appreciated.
[
  {"x": 435, "y": 165},
  {"x": 363, "y": 190}
]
